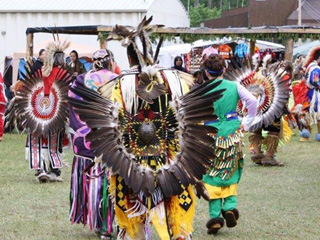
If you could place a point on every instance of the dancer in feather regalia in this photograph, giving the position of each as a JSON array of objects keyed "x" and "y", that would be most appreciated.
[
  {"x": 90, "y": 201},
  {"x": 299, "y": 112},
  {"x": 148, "y": 131},
  {"x": 271, "y": 85},
  {"x": 41, "y": 104},
  {"x": 312, "y": 63},
  {"x": 225, "y": 172}
]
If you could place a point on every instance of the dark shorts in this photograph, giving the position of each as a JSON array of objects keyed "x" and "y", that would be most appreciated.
[{"x": 274, "y": 127}]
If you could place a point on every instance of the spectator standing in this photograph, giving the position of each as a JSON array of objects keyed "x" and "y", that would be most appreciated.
[
  {"x": 40, "y": 60},
  {"x": 75, "y": 67},
  {"x": 178, "y": 62}
]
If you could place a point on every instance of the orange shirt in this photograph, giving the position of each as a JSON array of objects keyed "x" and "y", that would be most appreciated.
[{"x": 225, "y": 51}]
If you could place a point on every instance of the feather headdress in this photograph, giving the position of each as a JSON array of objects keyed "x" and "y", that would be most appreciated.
[
  {"x": 310, "y": 56},
  {"x": 139, "y": 39},
  {"x": 149, "y": 87},
  {"x": 51, "y": 49}
]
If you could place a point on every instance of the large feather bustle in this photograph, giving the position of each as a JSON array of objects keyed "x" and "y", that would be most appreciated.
[
  {"x": 270, "y": 79},
  {"x": 106, "y": 89},
  {"x": 51, "y": 49},
  {"x": 202, "y": 191},
  {"x": 278, "y": 94},
  {"x": 24, "y": 104},
  {"x": 240, "y": 72},
  {"x": 186, "y": 168}
]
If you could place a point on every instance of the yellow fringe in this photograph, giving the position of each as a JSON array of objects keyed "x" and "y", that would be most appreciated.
[
  {"x": 180, "y": 221},
  {"x": 130, "y": 224},
  {"x": 286, "y": 132},
  {"x": 161, "y": 227}
]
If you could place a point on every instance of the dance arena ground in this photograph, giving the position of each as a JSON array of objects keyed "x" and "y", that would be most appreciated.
[{"x": 274, "y": 202}]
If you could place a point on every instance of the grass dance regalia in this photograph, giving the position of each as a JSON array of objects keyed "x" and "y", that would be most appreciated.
[
  {"x": 299, "y": 112},
  {"x": 225, "y": 172},
  {"x": 312, "y": 63},
  {"x": 270, "y": 84},
  {"x": 90, "y": 203},
  {"x": 148, "y": 131},
  {"x": 41, "y": 103}
]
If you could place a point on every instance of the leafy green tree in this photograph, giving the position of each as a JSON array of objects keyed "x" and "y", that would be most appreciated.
[
  {"x": 224, "y": 4},
  {"x": 202, "y": 13}
]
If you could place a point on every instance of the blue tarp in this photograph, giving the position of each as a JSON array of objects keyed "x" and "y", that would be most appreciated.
[
  {"x": 22, "y": 64},
  {"x": 87, "y": 65}
]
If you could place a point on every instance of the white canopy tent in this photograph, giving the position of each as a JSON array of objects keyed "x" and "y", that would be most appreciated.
[
  {"x": 263, "y": 45},
  {"x": 167, "y": 54},
  {"x": 305, "y": 48}
]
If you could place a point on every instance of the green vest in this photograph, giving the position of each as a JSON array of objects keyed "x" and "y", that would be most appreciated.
[
  {"x": 227, "y": 167},
  {"x": 226, "y": 104}
]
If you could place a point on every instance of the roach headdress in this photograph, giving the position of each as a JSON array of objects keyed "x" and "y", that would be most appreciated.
[
  {"x": 138, "y": 38},
  {"x": 51, "y": 50}
]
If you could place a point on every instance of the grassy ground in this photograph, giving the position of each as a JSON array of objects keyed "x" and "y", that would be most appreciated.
[{"x": 274, "y": 203}]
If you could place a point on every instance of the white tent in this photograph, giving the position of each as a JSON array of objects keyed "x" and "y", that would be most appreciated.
[
  {"x": 167, "y": 54},
  {"x": 263, "y": 45}
]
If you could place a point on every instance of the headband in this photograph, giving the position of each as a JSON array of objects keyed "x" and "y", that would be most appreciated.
[{"x": 216, "y": 73}]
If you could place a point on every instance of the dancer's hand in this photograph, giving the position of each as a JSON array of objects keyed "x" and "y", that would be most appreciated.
[{"x": 242, "y": 128}]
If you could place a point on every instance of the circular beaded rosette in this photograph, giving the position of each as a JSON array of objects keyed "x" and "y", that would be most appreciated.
[{"x": 42, "y": 113}]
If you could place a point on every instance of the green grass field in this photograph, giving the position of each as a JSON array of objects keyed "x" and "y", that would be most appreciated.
[{"x": 274, "y": 203}]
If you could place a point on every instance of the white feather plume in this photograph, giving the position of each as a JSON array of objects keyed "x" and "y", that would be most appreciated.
[
  {"x": 266, "y": 60},
  {"x": 256, "y": 60},
  {"x": 52, "y": 47}
]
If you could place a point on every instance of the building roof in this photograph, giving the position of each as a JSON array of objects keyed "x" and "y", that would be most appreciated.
[
  {"x": 310, "y": 11},
  {"x": 75, "y": 5}
]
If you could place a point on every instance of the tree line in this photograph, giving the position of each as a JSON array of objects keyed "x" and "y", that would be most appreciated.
[
  {"x": 219, "y": 4},
  {"x": 201, "y": 10}
]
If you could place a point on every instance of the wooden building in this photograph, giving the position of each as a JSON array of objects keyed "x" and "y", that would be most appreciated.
[{"x": 267, "y": 13}]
